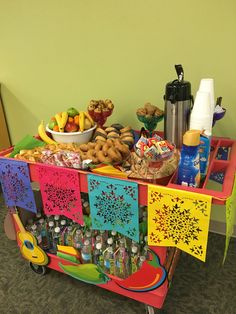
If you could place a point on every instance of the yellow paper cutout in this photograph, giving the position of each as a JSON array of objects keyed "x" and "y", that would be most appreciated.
[
  {"x": 230, "y": 216},
  {"x": 111, "y": 171},
  {"x": 179, "y": 218}
]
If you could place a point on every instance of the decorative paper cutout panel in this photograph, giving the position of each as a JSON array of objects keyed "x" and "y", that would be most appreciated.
[
  {"x": 178, "y": 218},
  {"x": 114, "y": 205},
  {"x": 60, "y": 191},
  {"x": 16, "y": 187},
  {"x": 230, "y": 215}
]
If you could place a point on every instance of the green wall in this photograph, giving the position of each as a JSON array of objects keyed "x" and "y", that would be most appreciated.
[{"x": 56, "y": 54}]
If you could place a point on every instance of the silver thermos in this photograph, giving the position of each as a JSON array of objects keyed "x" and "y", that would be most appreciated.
[{"x": 178, "y": 104}]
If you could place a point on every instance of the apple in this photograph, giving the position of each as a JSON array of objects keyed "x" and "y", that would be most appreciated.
[
  {"x": 71, "y": 127},
  {"x": 52, "y": 124},
  {"x": 72, "y": 112}
]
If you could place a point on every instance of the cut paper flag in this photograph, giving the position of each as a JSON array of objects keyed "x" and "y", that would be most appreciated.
[
  {"x": 114, "y": 205},
  {"x": 60, "y": 190},
  {"x": 16, "y": 186},
  {"x": 178, "y": 218},
  {"x": 230, "y": 216}
]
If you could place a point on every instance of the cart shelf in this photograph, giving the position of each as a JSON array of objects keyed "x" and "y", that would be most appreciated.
[
  {"x": 227, "y": 167},
  {"x": 168, "y": 256}
]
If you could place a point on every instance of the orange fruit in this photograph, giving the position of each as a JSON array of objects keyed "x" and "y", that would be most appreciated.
[
  {"x": 56, "y": 128},
  {"x": 76, "y": 119},
  {"x": 70, "y": 119},
  {"x": 53, "y": 119}
]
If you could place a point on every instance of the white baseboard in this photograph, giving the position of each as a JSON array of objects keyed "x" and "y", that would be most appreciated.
[{"x": 220, "y": 227}]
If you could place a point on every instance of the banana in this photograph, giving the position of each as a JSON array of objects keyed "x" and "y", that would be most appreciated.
[
  {"x": 42, "y": 133},
  {"x": 87, "y": 115},
  {"x": 81, "y": 121},
  {"x": 64, "y": 117},
  {"x": 58, "y": 118}
]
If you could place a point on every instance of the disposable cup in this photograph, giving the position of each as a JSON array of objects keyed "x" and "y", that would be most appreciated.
[
  {"x": 202, "y": 105},
  {"x": 201, "y": 115},
  {"x": 199, "y": 123},
  {"x": 207, "y": 85}
]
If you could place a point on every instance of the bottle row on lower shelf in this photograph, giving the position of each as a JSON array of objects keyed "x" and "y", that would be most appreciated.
[{"x": 114, "y": 253}]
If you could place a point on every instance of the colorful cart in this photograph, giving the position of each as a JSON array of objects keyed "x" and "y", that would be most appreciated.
[{"x": 151, "y": 282}]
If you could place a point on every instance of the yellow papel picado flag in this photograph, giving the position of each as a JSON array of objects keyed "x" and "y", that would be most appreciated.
[{"x": 179, "y": 218}]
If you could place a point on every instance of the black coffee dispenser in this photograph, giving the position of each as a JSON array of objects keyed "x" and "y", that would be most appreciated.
[{"x": 178, "y": 105}]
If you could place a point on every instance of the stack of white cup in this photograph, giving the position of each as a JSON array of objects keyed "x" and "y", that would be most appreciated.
[{"x": 204, "y": 105}]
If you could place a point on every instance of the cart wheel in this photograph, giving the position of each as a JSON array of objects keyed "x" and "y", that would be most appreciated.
[
  {"x": 149, "y": 309},
  {"x": 38, "y": 269}
]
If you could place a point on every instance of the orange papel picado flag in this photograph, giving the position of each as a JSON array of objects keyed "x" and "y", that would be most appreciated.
[{"x": 179, "y": 218}]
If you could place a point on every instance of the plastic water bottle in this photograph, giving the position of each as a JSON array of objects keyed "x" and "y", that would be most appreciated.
[
  {"x": 145, "y": 252},
  {"x": 141, "y": 260},
  {"x": 68, "y": 236},
  {"x": 86, "y": 252},
  {"x": 122, "y": 243},
  {"x": 63, "y": 224},
  {"x": 44, "y": 234},
  {"x": 50, "y": 232},
  {"x": 38, "y": 216},
  {"x": 98, "y": 239},
  {"x": 56, "y": 238},
  {"x": 98, "y": 255},
  {"x": 88, "y": 236},
  {"x": 136, "y": 244},
  {"x": 121, "y": 263},
  {"x": 103, "y": 234},
  {"x": 78, "y": 239},
  {"x": 57, "y": 220},
  {"x": 109, "y": 263},
  {"x": 115, "y": 238},
  {"x": 63, "y": 228},
  {"x": 134, "y": 259},
  {"x": 110, "y": 243},
  {"x": 36, "y": 234},
  {"x": 49, "y": 218}
]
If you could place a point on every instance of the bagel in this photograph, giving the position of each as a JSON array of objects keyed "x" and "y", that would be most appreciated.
[
  {"x": 92, "y": 154},
  {"x": 98, "y": 146},
  {"x": 114, "y": 154},
  {"x": 110, "y": 142},
  {"x": 126, "y": 129},
  {"x": 112, "y": 135},
  {"x": 122, "y": 148},
  {"x": 100, "y": 138},
  {"x": 126, "y": 134},
  {"x": 91, "y": 145},
  {"x": 128, "y": 139},
  {"x": 83, "y": 155},
  {"x": 101, "y": 131},
  {"x": 117, "y": 126},
  {"x": 105, "y": 147},
  {"x": 103, "y": 157},
  {"x": 111, "y": 129},
  {"x": 84, "y": 147}
]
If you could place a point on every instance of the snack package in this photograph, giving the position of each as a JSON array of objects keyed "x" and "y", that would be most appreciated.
[
  {"x": 154, "y": 148},
  {"x": 62, "y": 158}
]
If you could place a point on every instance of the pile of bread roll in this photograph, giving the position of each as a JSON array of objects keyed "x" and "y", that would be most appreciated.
[{"x": 115, "y": 131}]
